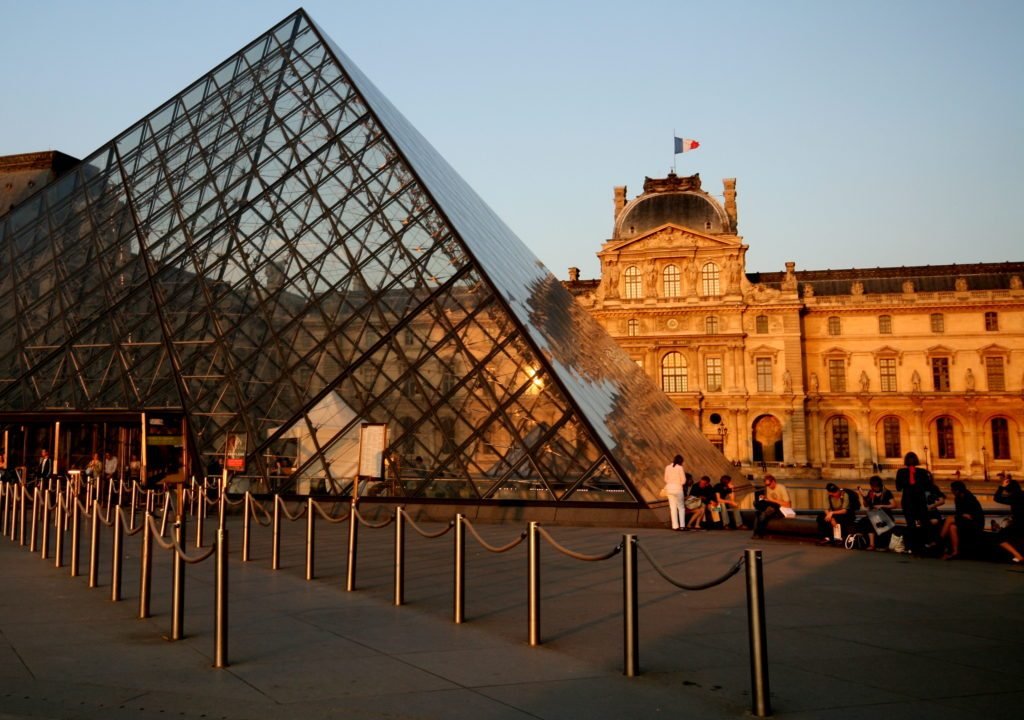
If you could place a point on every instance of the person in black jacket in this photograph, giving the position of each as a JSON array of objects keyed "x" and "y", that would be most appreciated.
[
  {"x": 964, "y": 529},
  {"x": 1012, "y": 538},
  {"x": 916, "y": 485}
]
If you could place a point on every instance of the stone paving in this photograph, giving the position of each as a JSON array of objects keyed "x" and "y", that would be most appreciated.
[{"x": 851, "y": 634}]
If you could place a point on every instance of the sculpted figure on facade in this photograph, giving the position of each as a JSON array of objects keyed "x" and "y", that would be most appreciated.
[
  {"x": 1015, "y": 283},
  {"x": 808, "y": 290},
  {"x": 857, "y": 288},
  {"x": 611, "y": 276},
  {"x": 915, "y": 381},
  {"x": 691, "y": 275},
  {"x": 732, "y": 271},
  {"x": 865, "y": 381},
  {"x": 813, "y": 382},
  {"x": 961, "y": 284},
  {"x": 908, "y": 286},
  {"x": 969, "y": 380},
  {"x": 787, "y": 381},
  {"x": 652, "y": 280}
]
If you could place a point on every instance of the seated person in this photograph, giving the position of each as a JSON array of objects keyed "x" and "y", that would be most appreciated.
[
  {"x": 838, "y": 521},
  {"x": 770, "y": 502},
  {"x": 963, "y": 530},
  {"x": 876, "y": 499},
  {"x": 726, "y": 496},
  {"x": 1011, "y": 539},
  {"x": 702, "y": 493}
]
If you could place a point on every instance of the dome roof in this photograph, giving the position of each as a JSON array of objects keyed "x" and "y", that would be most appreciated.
[{"x": 694, "y": 210}]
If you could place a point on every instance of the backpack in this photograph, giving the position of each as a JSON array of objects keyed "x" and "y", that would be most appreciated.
[{"x": 854, "y": 500}]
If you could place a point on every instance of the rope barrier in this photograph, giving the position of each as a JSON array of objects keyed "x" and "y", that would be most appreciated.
[
  {"x": 288, "y": 515},
  {"x": 429, "y": 535},
  {"x": 121, "y": 517},
  {"x": 575, "y": 555},
  {"x": 173, "y": 545},
  {"x": 487, "y": 546},
  {"x": 372, "y": 526},
  {"x": 255, "y": 505},
  {"x": 328, "y": 518},
  {"x": 683, "y": 586},
  {"x": 104, "y": 518},
  {"x": 228, "y": 501}
]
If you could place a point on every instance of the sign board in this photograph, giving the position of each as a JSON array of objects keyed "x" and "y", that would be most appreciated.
[
  {"x": 234, "y": 452},
  {"x": 373, "y": 438}
]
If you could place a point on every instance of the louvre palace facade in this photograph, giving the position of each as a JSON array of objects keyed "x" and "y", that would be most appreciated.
[{"x": 835, "y": 373}]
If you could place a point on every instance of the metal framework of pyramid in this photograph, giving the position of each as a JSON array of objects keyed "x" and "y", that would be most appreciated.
[{"x": 278, "y": 255}]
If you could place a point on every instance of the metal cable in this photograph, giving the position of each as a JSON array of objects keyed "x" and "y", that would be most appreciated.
[
  {"x": 373, "y": 526},
  {"x": 172, "y": 544},
  {"x": 288, "y": 515},
  {"x": 489, "y": 547},
  {"x": 430, "y": 536},
  {"x": 683, "y": 586},
  {"x": 328, "y": 518},
  {"x": 575, "y": 555}
]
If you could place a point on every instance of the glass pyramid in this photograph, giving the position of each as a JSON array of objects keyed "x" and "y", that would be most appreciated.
[{"x": 279, "y": 256}]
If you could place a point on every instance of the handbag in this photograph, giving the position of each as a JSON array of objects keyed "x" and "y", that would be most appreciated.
[
  {"x": 880, "y": 521},
  {"x": 692, "y": 502},
  {"x": 663, "y": 492}
]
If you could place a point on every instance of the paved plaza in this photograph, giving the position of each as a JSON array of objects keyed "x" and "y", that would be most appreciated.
[{"x": 851, "y": 634}]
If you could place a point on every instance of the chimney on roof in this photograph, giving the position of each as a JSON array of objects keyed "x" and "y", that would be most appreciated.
[
  {"x": 730, "y": 201},
  {"x": 620, "y": 200},
  {"x": 574, "y": 274}
]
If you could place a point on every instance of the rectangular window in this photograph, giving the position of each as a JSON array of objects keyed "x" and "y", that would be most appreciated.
[
  {"x": 761, "y": 325},
  {"x": 945, "y": 440},
  {"x": 834, "y": 326},
  {"x": 764, "y": 374},
  {"x": 938, "y": 323},
  {"x": 991, "y": 322},
  {"x": 632, "y": 327},
  {"x": 1000, "y": 439},
  {"x": 940, "y": 374},
  {"x": 887, "y": 373},
  {"x": 713, "y": 374},
  {"x": 837, "y": 376},
  {"x": 891, "y": 437},
  {"x": 996, "y": 376},
  {"x": 885, "y": 324},
  {"x": 841, "y": 438}
]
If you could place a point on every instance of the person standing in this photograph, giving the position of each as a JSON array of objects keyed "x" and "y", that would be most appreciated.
[
  {"x": 675, "y": 478},
  {"x": 45, "y": 465},
  {"x": 916, "y": 484}
]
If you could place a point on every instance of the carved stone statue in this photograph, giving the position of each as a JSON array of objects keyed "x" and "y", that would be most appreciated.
[
  {"x": 691, "y": 275},
  {"x": 813, "y": 381},
  {"x": 1015, "y": 283},
  {"x": 808, "y": 290},
  {"x": 908, "y": 286},
  {"x": 961, "y": 284},
  {"x": 857, "y": 288},
  {"x": 915, "y": 381},
  {"x": 733, "y": 273},
  {"x": 865, "y": 381},
  {"x": 969, "y": 380},
  {"x": 652, "y": 280},
  {"x": 611, "y": 276},
  {"x": 787, "y": 381}
]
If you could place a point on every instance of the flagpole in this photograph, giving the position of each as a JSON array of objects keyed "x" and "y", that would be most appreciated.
[{"x": 673, "y": 151}]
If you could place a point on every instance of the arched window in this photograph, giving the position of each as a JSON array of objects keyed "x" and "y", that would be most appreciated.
[
  {"x": 670, "y": 279},
  {"x": 709, "y": 280},
  {"x": 632, "y": 327},
  {"x": 673, "y": 373},
  {"x": 711, "y": 325},
  {"x": 891, "y": 437},
  {"x": 634, "y": 283},
  {"x": 840, "y": 438},
  {"x": 1000, "y": 439},
  {"x": 944, "y": 438}
]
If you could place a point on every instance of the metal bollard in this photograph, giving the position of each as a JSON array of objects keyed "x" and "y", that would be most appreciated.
[
  {"x": 94, "y": 545},
  {"x": 246, "y": 526},
  {"x": 58, "y": 542},
  {"x": 135, "y": 506},
  {"x": 117, "y": 557},
  {"x": 533, "y": 583},
  {"x": 45, "y": 544},
  {"x": 275, "y": 549},
  {"x": 200, "y": 514},
  {"x": 399, "y": 556},
  {"x": 220, "y": 650},
  {"x": 353, "y": 543},
  {"x": 5, "y": 500},
  {"x": 146, "y": 569},
  {"x": 630, "y": 608},
  {"x": 761, "y": 704},
  {"x": 75, "y": 532},
  {"x": 178, "y": 589},
  {"x": 21, "y": 517},
  {"x": 310, "y": 538},
  {"x": 460, "y": 568},
  {"x": 35, "y": 520}
]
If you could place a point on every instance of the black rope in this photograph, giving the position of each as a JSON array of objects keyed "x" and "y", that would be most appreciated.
[
  {"x": 683, "y": 586},
  {"x": 575, "y": 555}
]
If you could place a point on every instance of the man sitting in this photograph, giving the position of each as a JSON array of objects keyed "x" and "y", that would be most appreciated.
[
  {"x": 837, "y": 522},
  {"x": 770, "y": 503}
]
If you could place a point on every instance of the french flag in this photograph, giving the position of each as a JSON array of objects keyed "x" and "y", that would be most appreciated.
[{"x": 685, "y": 145}]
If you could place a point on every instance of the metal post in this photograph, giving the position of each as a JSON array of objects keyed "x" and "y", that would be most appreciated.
[
  {"x": 146, "y": 568},
  {"x": 117, "y": 559},
  {"x": 35, "y": 520},
  {"x": 5, "y": 496},
  {"x": 94, "y": 545},
  {"x": 353, "y": 542},
  {"x": 21, "y": 517},
  {"x": 761, "y": 704},
  {"x": 178, "y": 589},
  {"x": 135, "y": 506},
  {"x": 399, "y": 556},
  {"x": 58, "y": 541},
  {"x": 630, "y": 608},
  {"x": 45, "y": 544},
  {"x": 220, "y": 650},
  {"x": 75, "y": 532},
  {"x": 310, "y": 538},
  {"x": 275, "y": 549},
  {"x": 200, "y": 512},
  {"x": 460, "y": 569},
  {"x": 533, "y": 583},
  {"x": 246, "y": 526},
  {"x": 167, "y": 508}
]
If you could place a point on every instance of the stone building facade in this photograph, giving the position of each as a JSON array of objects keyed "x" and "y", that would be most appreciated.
[{"x": 834, "y": 372}]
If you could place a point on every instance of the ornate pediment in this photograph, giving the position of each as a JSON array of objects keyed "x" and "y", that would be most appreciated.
[{"x": 673, "y": 238}]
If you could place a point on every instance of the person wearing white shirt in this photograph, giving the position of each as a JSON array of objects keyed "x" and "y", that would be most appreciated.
[{"x": 675, "y": 478}]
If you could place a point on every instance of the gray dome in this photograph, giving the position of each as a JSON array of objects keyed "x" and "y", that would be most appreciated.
[{"x": 690, "y": 210}]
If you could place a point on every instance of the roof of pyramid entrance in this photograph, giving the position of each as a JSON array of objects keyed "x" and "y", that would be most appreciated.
[{"x": 634, "y": 421}]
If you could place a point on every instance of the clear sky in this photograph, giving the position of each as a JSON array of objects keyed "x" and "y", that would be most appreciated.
[{"x": 861, "y": 133}]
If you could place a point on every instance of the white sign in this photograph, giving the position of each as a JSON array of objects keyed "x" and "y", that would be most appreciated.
[{"x": 373, "y": 438}]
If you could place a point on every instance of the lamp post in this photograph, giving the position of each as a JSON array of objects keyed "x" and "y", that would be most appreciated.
[
  {"x": 984, "y": 463},
  {"x": 723, "y": 433}
]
